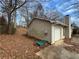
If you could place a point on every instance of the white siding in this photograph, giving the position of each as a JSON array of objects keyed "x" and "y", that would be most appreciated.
[
  {"x": 39, "y": 27},
  {"x": 62, "y": 33},
  {"x": 52, "y": 34},
  {"x": 57, "y": 33}
]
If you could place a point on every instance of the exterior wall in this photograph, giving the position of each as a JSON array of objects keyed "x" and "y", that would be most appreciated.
[
  {"x": 62, "y": 33},
  {"x": 39, "y": 28},
  {"x": 68, "y": 29},
  {"x": 53, "y": 33}
]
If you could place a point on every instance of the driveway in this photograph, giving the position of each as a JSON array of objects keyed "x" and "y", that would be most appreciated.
[{"x": 59, "y": 50}]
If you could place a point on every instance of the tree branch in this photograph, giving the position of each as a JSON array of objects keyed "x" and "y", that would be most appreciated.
[
  {"x": 10, "y": 3},
  {"x": 21, "y": 5},
  {"x": 2, "y": 3},
  {"x": 15, "y": 8}
]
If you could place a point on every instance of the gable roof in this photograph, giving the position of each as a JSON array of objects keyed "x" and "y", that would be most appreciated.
[{"x": 50, "y": 21}]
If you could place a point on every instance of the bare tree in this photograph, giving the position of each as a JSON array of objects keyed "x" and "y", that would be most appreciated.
[
  {"x": 25, "y": 13},
  {"x": 39, "y": 11},
  {"x": 36, "y": 9},
  {"x": 9, "y": 6}
]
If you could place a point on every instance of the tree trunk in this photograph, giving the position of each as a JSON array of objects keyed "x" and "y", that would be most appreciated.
[
  {"x": 9, "y": 24},
  {"x": 14, "y": 19}
]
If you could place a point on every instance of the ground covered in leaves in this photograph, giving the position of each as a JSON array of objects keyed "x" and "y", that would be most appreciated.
[
  {"x": 73, "y": 44},
  {"x": 17, "y": 46}
]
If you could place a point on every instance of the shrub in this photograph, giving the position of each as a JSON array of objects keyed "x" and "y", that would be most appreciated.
[
  {"x": 3, "y": 25},
  {"x": 3, "y": 21}
]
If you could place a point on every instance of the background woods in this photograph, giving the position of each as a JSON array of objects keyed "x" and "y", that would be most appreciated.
[{"x": 9, "y": 7}]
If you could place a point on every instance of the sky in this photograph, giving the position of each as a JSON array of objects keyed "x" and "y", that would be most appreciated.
[{"x": 64, "y": 7}]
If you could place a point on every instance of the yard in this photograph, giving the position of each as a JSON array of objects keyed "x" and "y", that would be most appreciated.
[
  {"x": 68, "y": 49},
  {"x": 17, "y": 46},
  {"x": 74, "y": 42}
]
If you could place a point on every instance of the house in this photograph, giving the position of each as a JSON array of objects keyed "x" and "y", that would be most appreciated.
[{"x": 49, "y": 30}]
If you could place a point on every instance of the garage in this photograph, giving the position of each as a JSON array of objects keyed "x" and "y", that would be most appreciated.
[
  {"x": 48, "y": 30},
  {"x": 57, "y": 33}
]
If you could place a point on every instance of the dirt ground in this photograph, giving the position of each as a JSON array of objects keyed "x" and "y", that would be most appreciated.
[
  {"x": 74, "y": 42},
  {"x": 17, "y": 46},
  {"x": 68, "y": 49},
  {"x": 75, "y": 38}
]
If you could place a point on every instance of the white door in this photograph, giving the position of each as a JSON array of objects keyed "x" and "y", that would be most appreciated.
[{"x": 57, "y": 33}]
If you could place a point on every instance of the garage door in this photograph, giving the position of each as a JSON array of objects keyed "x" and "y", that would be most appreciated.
[{"x": 57, "y": 33}]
